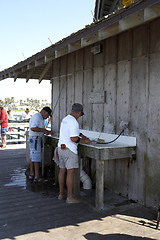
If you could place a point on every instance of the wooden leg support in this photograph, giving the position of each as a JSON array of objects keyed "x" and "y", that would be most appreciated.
[{"x": 99, "y": 184}]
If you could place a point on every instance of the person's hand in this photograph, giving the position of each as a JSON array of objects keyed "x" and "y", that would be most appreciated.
[
  {"x": 87, "y": 140},
  {"x": 48, "y": 132},
  {"x": 52, "y": 133}
]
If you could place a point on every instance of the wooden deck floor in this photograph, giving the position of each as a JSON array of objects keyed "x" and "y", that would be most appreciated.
[{"x": 31, "y": 211}]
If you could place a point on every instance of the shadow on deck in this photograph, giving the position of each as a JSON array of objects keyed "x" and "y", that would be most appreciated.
[{"x": 32, "y": 211}]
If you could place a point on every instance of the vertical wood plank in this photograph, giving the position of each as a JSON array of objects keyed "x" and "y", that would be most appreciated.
[
  {"x": 87, "y": 119},
  {"x": 70, "y": 92},
  {"x": 56, "y": 103},
  {"x": 123, "y": 93},
  {"x": 98, "y": 108},
  {"x": 110, "y": 104}
]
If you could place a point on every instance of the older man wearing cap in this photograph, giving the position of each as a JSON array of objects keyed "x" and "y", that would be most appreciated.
[
  {"x": 36, "y": 131},
  {"x": 67, "y": 151}
]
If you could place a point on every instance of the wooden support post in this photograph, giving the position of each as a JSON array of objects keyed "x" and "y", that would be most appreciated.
[{"x": 99, "y": 184}]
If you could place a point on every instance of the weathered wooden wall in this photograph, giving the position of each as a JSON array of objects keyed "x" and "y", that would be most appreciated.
[{"x": 122, "y": 84}]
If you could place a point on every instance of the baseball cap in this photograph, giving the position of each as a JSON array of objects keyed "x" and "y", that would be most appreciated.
[
  {"x": 47, "y": 109},
  {"x": 77, "y": 107}
]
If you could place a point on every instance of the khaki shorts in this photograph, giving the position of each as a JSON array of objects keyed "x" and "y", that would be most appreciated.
[{"x": 67, "y": 159}]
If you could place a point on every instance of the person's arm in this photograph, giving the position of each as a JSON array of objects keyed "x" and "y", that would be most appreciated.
[
  {"x": 43, "y": 130},
  {"x": 80, "y": 139},
  {"x": 2, "y": 117}
]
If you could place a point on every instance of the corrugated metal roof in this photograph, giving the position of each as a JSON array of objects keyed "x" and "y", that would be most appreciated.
[{"x": 105, "y": 7}]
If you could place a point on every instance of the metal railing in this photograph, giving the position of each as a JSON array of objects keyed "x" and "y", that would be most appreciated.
[{"x": 16, "y": 132}]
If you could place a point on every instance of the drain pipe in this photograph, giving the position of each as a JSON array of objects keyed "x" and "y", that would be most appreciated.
[{"x": 84, "y": 178}]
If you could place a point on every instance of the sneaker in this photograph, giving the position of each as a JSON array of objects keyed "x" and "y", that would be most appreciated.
[
  {"x": 72, "y": 200},
  {"x": 3, "y": 146},
  {"x": 60, "y": 197}
]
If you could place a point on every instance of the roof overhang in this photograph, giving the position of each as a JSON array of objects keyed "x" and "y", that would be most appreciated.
[
  {"x": 39, "y": 66},
  {"x": 104, "y": 7}
]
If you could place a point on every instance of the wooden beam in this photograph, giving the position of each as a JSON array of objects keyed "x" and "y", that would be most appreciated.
[
  {"x": 29, "y": 75},
  {"x": 15, "y": 74},
  {"x": 89, "y": 39},
  {"x": 45, "y": 71},
  {"x": 152, "y": 12},
  {"x": 74, "y": 46},
  {"x": 49, "y": 57},
  {"x": 61, "y": 52},
  {"x": 15, "y": 77},
  {"x": 109, "y": 31},
  {"x": 131, "y": 21},
  {"x": 10, "y": 74},
  {"x": 39, "y": 62},
  {"x": 30, "y": 66}
]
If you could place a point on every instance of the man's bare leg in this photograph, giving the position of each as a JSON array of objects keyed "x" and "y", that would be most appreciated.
[
  {"x": 3, "y": 139},
  {"x": 36, "y": 168},
  {"x": 61, "y": 178},
  {"x": 31, "y": 167}
]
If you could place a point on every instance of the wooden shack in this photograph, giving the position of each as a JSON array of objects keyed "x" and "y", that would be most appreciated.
[{"x": 112, "y": 68}]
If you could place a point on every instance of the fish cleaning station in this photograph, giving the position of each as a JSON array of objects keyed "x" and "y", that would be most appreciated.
[
  {"x": 112, "y": 68},
  {"x": 123, "y": 148}
]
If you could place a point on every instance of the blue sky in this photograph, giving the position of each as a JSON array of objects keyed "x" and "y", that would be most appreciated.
[{"x": 26, "y": 26}]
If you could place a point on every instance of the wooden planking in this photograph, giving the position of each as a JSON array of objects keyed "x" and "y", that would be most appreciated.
[
  {"x": 56, "y": 66},
  {"x": 55, "y": 102},
  {"x": 97, "y": 108},
  {"x": 70, "y": 92},
  {"x": 138, "y": 124},
  {"x": 87, "y": 88},
  {"x": 110, "y": 50},
  {"x": 79, "y": 60},
  {"x": 141, "y": 41},
  {"x": 63, "y": 66},
  {"x": 110, "y": 103},
  {"x": 88, "y": 58},
  {"x": 98, "y": 59},
  {"x": 123, "y": 93},
  {"x": 152, "y": 168},
  {"x": 125, "y": 46},
  {"x": 79, "y": 91},
  {"x": 155, "y": 36},
  {"x": 139, "y": 95},
  {"x": 71, "y": 63},
  {"x": 128, "y": 62},
  {"x": 63, "y": 98}
]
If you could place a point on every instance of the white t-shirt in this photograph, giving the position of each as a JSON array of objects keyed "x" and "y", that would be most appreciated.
[
  {"x": 69, "y": 128},
  {"x": 25, "y": 116},
  {"x": 36, "y": 121}
]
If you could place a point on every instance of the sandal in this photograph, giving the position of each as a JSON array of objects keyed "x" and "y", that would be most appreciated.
[
  {"x": 30, "y": 177},
  {"x": 40, "y": 180}
]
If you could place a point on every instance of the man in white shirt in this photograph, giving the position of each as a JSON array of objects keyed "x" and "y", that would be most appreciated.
[
  {"x": 26, "y": 115},
  {"x": 67, "y": 151},
  {"x": 36, "y": 131}
]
